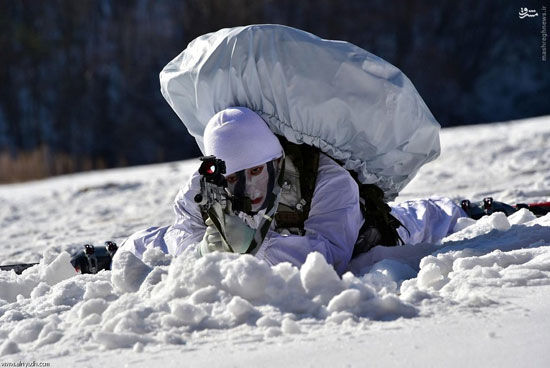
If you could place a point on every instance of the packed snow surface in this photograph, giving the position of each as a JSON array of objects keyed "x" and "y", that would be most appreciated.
[{"x": 479, "y": 297}]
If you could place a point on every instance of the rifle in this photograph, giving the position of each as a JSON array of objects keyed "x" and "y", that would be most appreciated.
[
  {"x": 17, "y": 267},
  {"x": 214, "y": 191},
  {"x": 89, "y": 260}
]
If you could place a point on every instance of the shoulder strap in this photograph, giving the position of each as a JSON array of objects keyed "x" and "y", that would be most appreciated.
[
  {"x": 380, "y": 226},
  {"x": 306, "y": 160},
  {"x": 308, "y": 175}
]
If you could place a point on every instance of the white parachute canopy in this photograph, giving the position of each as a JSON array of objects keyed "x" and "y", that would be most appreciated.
[{"x": 351, "y": 104}]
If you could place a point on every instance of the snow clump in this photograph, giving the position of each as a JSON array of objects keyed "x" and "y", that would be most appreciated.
[
  {"x": 138, "y": 304},
  {"x": 163, "y": 300}
]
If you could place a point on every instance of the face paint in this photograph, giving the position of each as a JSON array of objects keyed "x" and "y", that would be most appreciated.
[{"x": 253, "y": 183}]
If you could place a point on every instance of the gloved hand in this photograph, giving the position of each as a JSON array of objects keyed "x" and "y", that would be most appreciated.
[
  {"x": 238, "y": 234},
  {"x": 212, "y": 240}
]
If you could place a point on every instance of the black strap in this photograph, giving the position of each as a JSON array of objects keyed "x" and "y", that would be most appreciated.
[
  {"x": 308, "y": 177},
  {"x": 306, "y": 161},
  {"x": 380, "y": 226}
]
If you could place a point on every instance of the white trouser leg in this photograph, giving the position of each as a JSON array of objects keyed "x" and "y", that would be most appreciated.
[{"x": 428, "y": 220}]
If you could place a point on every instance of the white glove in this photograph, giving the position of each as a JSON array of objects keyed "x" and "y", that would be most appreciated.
[
  {"x": 212, "y": 240},
  {"x": 237, "y": 233}
]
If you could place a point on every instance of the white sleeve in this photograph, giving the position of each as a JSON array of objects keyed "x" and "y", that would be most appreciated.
[
  {"x": 187, "y": 229},
  {"x": 332, "y": 226}
]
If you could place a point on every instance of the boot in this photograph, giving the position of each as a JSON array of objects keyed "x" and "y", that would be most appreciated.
[{"x": 486, "y": 207}]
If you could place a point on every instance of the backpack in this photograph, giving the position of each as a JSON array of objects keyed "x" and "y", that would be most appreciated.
[
  {"x": 380, "y": 227},
  {"x": 353, "y": 105}
]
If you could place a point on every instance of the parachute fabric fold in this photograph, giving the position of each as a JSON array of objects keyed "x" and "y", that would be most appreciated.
[{"x": 353, "y": 105}]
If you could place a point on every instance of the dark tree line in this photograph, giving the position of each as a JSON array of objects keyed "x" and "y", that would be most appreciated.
[{"x": 81, "y": 77}]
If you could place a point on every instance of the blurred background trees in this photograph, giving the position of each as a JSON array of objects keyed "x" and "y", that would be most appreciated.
[{"x": 79, "y": 79}]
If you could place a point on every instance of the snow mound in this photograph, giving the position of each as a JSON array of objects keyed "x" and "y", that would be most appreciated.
[
  {"x": 138, "y": 304},
  {"x": 49, "y": 272},
  {"x": 168, "y": 301},
  {"x": 493, "y": 253},
  {"x": 173, "y": 308}
]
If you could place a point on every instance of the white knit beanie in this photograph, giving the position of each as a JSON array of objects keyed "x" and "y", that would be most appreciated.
[{"x": 241, "y": 138}]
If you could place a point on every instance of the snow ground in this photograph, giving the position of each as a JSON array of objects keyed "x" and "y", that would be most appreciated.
[{"x": 480, "y": 298}]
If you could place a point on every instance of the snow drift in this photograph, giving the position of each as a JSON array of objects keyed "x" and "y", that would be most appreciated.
[
  {"x": 164, "y": 300},
  {"x": 163, "y": 307}
]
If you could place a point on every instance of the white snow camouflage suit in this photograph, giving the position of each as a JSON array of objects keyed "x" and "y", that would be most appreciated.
[
  {"x": 331, "y": 229},
  {"x": 349, "y": 103}
]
